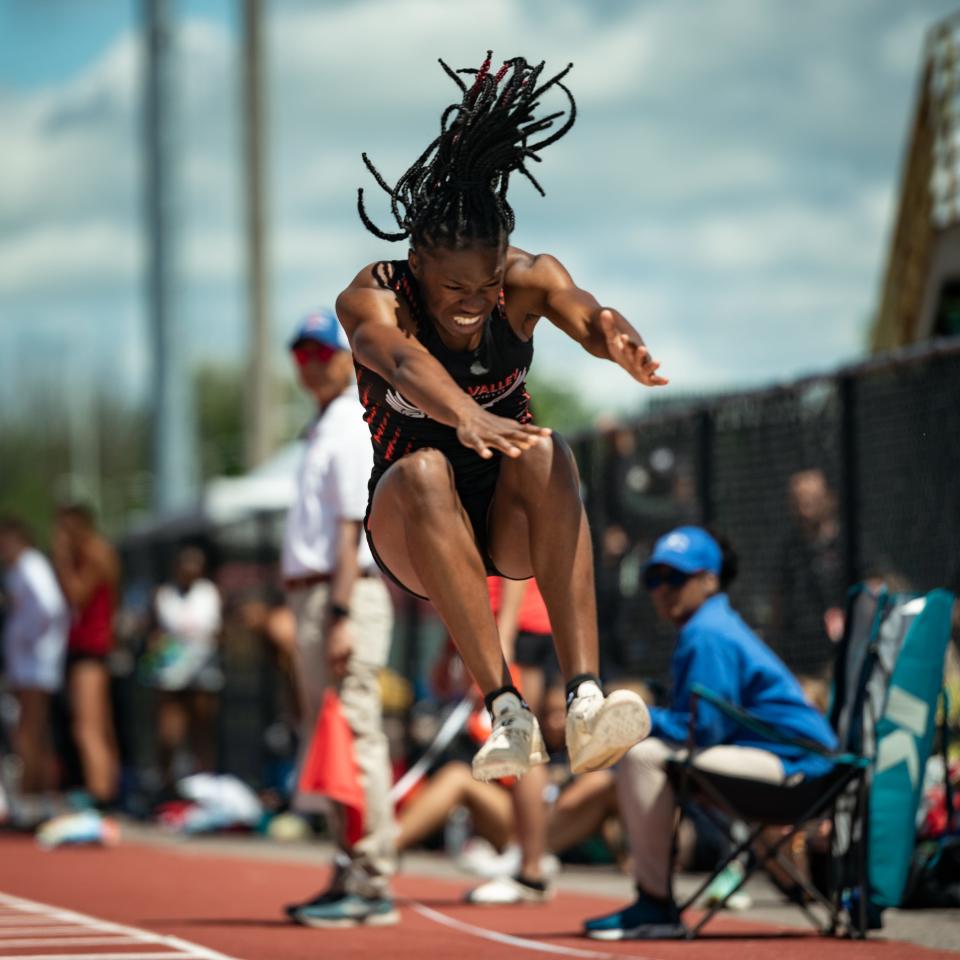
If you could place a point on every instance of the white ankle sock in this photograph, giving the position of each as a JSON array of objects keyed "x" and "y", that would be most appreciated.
[{"x": 588, "y": 689}]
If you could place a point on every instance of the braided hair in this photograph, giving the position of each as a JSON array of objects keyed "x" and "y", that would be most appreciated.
[{"x": 455, "y": 194}]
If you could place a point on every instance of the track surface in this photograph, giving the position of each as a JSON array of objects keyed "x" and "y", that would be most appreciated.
[{"x": 233, "y": 906}]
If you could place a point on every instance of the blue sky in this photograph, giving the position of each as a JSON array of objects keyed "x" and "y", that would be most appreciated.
[{"x": 729, "y": 184}]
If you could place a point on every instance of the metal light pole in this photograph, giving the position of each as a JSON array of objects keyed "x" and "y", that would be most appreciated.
[
  {"x": 260, "y": 399},
  {"x": 171, "y": 411}
]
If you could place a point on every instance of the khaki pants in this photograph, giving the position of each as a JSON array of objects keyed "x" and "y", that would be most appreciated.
[
  {"x": 373, "y": 859},
  {"x": 647, "y": 802}
]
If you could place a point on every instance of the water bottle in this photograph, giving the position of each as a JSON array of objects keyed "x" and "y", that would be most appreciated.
[{"x": 458, "y": 830}]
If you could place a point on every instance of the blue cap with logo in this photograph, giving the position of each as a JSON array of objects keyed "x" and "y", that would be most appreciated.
[
  {"x": 321, "y": 327},
  {"x": 689, "y": 549}
]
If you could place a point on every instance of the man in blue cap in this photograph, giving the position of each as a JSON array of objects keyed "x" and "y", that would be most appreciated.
[
  {"x": 686, "y": 576},
  {"x": 344, "y": 619}
]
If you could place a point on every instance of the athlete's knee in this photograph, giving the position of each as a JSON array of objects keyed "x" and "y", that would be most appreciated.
[
  {"x": 454, "y": 772},
  {"x": 648, "y": 756},
  {"x": 545, "y": 461},
  {"x": 422, "y": 478}
]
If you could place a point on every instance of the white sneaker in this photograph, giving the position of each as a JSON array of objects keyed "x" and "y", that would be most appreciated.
[
  {"x": 600, "y": 730},
  {"x": 515, "y": 743},
  {"x": 507, "y": 890},
  {"x": 481, "y": 859}
]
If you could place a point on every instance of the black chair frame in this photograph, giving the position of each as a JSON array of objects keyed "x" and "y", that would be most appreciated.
[{"x": 791, "y": 805}]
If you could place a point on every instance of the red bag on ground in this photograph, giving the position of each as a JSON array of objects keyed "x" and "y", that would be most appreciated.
[{"x": 330, "y": 768}]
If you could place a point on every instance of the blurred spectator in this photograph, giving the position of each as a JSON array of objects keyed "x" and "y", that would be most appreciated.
[
  {"x": 810, "y": 591},
  {"x": 181, "y": 661},
  {"x": 263, "y": 613},
  {"x": 34, "y": 647},
  {"x": 574, "y": 809},
  {"x": 645, "y": 490},
  {"x": 89, "y": 572},
  {"x": 687, "y": 575},
  {"x": 344, "y": 618}
]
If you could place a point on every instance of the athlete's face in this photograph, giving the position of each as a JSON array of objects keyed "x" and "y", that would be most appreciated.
[{"x": 459, "y": 288}]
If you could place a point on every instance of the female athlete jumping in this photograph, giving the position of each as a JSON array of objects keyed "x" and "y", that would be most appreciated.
[{"x": 464, "y": 484}]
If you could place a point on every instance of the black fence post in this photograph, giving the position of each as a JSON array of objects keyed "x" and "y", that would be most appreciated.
[
  {"x": 850, "y": 483},
  {"x": 705, "y": 465}
]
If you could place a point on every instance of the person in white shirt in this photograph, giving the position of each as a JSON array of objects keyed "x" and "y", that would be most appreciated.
[
  {"x": 181, "y": 662},
  {"x": 34, "y": 649},
  {"x": 344, "y": 618}
]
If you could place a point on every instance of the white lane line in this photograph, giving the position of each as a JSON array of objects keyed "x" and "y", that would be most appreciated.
[
  {"x": 51, "y": 933},
  {"x": 184, "y": 948},
  {"x": 105, "y": 956},
  {"x": 510, "y": 940},
  {"x": 67, "y": 942},
  {"x": 21, "y": 920}
]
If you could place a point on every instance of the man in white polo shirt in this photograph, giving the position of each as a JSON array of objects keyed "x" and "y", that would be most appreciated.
[{"x": 344, "y": 617}]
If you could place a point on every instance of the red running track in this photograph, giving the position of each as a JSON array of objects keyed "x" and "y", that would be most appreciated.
[{"x": 233, "y": 905}]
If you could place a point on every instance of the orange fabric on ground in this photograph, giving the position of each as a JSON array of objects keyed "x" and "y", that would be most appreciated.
[{"x": 331, "y": 768}]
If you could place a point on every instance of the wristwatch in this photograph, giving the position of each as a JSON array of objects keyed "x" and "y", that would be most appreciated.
[{"x": 337, "y": 612}]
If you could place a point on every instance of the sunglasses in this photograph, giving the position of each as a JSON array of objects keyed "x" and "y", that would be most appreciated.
[
  {"x": 656, "y": 576},
  {"x": 305, "y": 353}
]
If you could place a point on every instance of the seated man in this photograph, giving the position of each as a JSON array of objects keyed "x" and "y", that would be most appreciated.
[{"x": 686, "y": 576}]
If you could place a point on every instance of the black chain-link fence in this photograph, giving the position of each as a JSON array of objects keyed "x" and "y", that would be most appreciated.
[{"x": 816, "y": 485}]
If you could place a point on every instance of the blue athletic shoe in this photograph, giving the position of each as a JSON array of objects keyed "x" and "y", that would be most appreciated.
[
  {"x": 644, "y": 919},
  {"x": 325, "y": 896},
  {"x": 346, "y": 911}
]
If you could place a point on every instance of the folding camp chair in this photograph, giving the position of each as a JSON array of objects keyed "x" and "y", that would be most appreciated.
[
  {"x": 888, "y": 675},
  {"x": 790, "y": 805}
]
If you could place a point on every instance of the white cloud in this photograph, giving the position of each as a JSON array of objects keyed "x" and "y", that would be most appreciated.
[
  {"x": 68, "y": 149},
  {"x": 92, "y": 254},
  {"x": 786, "y": 235},
  {"x": 729, "y": 182}
]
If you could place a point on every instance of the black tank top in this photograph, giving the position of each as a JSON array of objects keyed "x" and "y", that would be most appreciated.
[{"x": 494, "y": 375}]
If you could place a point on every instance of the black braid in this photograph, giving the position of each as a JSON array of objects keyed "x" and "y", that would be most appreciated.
[{"x": 455, "y": 194}]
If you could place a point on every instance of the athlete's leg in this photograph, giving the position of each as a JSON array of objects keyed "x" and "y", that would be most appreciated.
[
  {"x": 450, "y": 787},
  {"x": 32, "y": 741},
  {"x": 172, "y": 725},
  {"x": 537, "y": 524},
  {"x": 581, "y": 809},
  {"x": 533, "y": 685},
  {"x": 530, "y": 813},
  {"x": 538, "y": 527},
  {"x": 529, "y": 808},
  {"x": 204, "y": 705},
  {"x": 423, "y": 535},
  {"x": 89, "y": 687}
]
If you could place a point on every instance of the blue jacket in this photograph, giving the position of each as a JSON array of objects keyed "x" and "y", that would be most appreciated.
[{"x": 718, "y": 650}]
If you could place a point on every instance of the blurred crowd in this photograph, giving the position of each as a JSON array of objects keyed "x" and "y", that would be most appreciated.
[{"x": 116, "y": 697}]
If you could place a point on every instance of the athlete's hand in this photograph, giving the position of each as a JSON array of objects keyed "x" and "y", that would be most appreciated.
[
  {"x": 629, "y": 353},
  {"x": 338, "y": 640},
  {"x": 485, "y": 432},
  {"x": 60, "y": 545}
]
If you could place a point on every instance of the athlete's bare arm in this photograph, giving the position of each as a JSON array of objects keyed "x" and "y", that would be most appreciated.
[
  {"x": 540, "y": 286},
  {"x": 80, "y": 576},
  {"x": 371, "y": 318}
]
